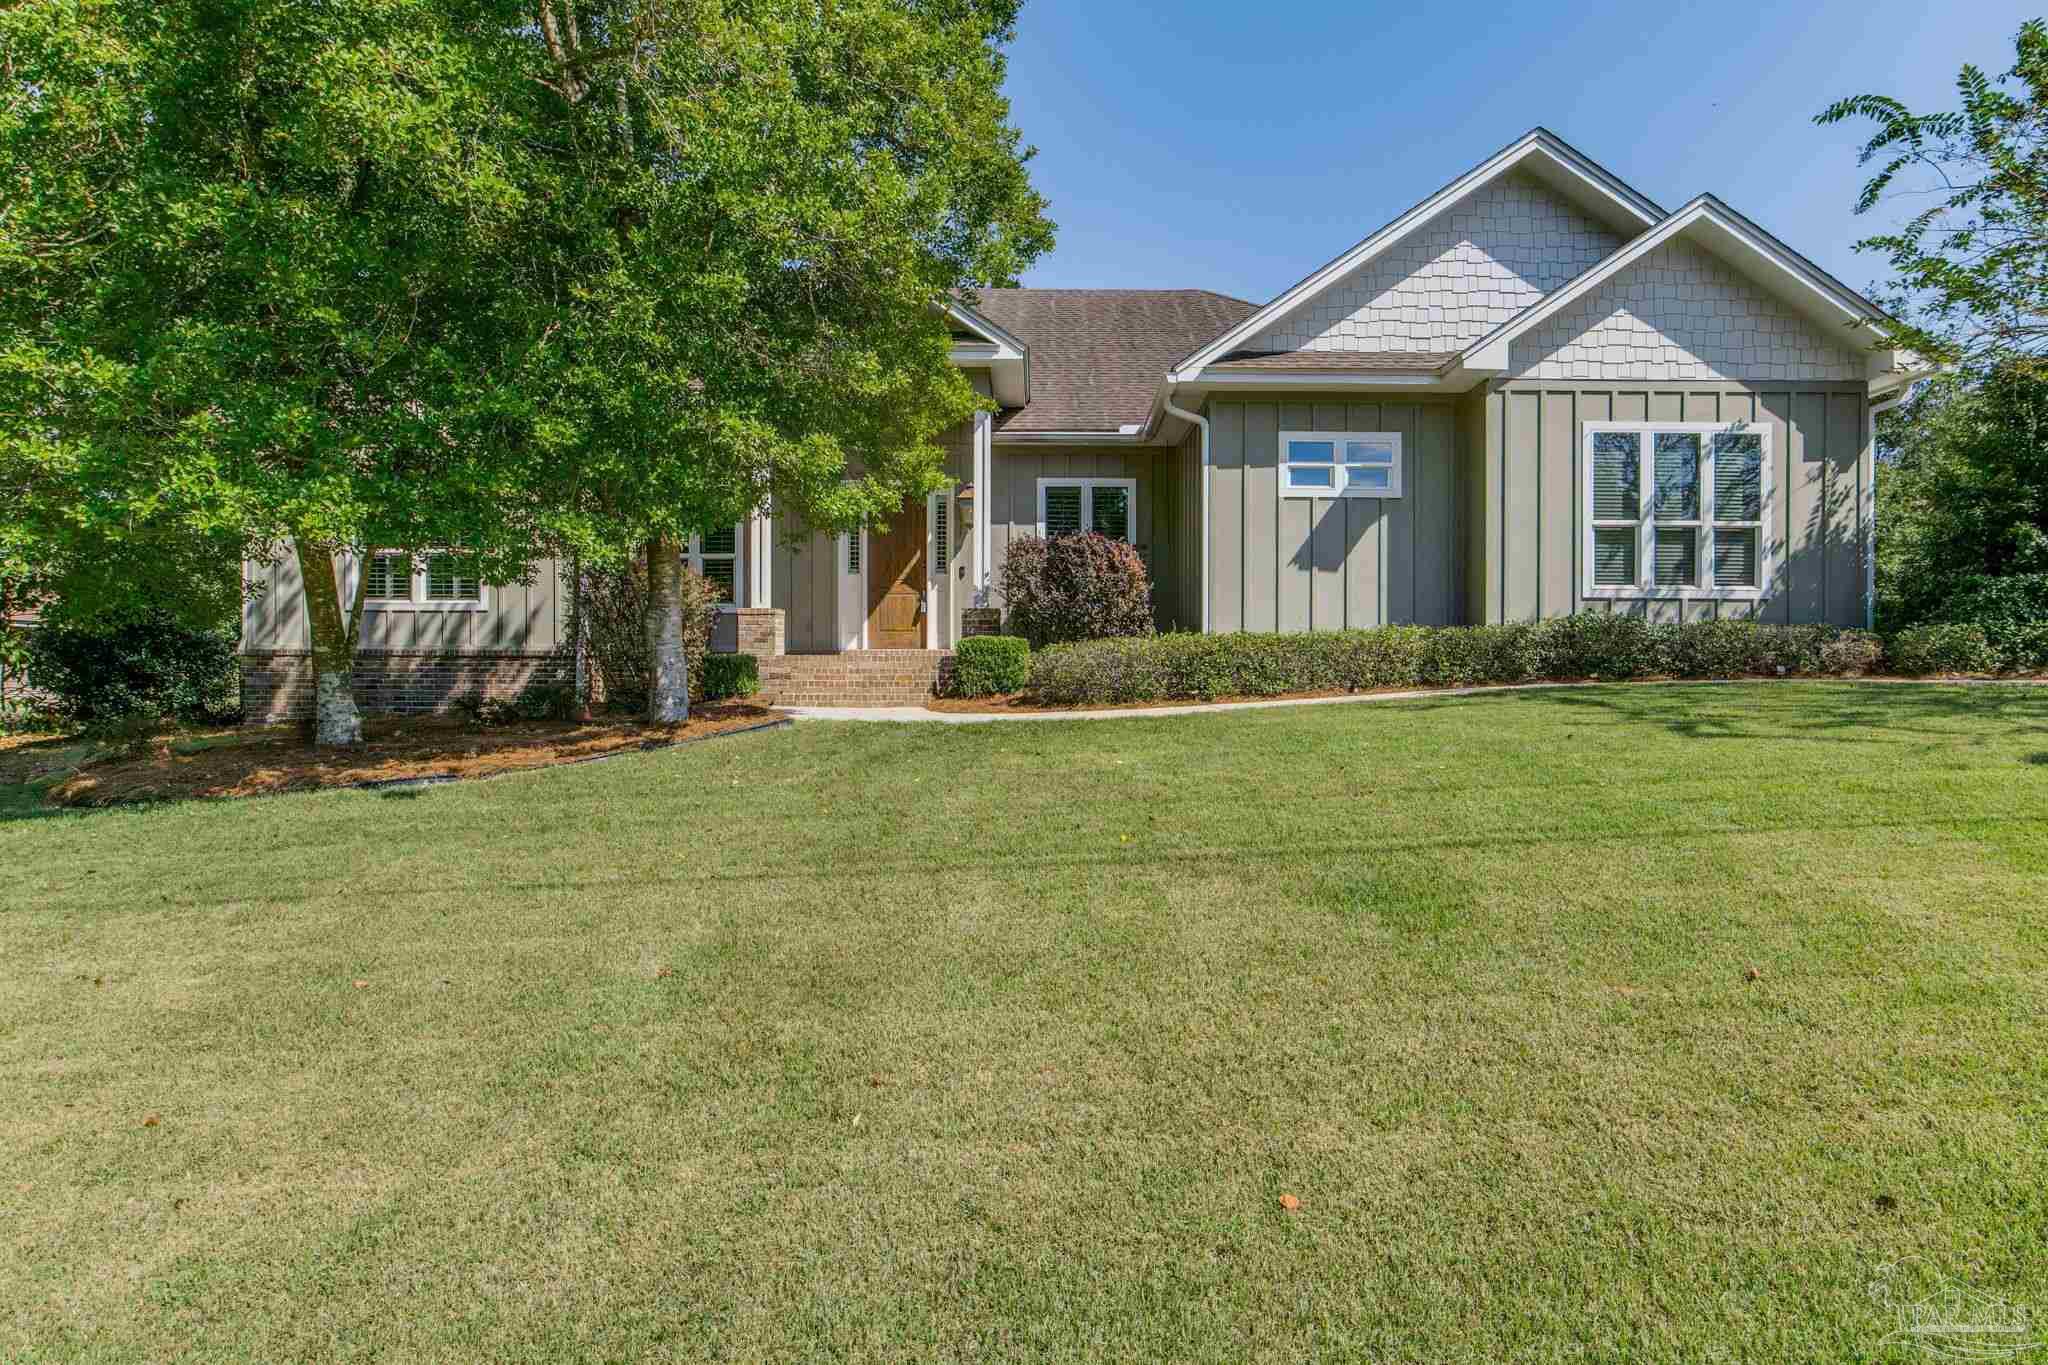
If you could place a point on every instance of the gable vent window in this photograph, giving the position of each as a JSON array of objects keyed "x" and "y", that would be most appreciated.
[
  {"x": 1676, "y": 509},
  {"x": 1073, "y": 506},
  {"x": 1340, "y": 464}
]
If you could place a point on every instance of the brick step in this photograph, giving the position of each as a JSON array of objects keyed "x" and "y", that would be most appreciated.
[{"x": 874, "y": 677}]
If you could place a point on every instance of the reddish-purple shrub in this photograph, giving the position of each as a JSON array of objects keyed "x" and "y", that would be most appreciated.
[{"x": 1075, "y": 587}]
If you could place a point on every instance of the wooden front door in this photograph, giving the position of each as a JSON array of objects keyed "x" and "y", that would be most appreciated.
[{"x": 896, "y": 581}]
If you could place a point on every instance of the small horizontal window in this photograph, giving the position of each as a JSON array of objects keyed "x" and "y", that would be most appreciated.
[
  {"x": 1077, "y": 506},
  {"x": 1344, "y": 464}
]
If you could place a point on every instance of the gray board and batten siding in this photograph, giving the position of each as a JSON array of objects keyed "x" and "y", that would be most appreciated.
[
  {"x": 1524, "y": 463},
  {"x": 1294, "y": 563}
]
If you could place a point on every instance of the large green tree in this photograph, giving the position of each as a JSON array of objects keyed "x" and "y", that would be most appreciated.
[
  {"x": 510, "y": 276},
  {"x": 1970, "y": 264}
]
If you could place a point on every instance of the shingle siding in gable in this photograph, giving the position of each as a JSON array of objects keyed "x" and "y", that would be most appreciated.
[
  {"x": 1455, "y": 278},
  {"x": 1679, "y": 314}
]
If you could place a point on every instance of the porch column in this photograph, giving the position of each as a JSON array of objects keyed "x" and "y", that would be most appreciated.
[
  {"x": 761, "y": 559},
  {"x": 984, "y": 507}
]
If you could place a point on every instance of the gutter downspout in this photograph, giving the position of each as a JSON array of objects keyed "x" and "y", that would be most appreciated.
[{"x": 1202, "y": 423}]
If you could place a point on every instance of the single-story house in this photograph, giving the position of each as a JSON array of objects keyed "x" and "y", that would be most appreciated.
[{"x": 1534, "y": 393}]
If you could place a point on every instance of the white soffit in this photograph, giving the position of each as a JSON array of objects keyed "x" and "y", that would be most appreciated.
[
  {"x": 1006, "y": 358},
  {"x": 1603, "y": 196}
]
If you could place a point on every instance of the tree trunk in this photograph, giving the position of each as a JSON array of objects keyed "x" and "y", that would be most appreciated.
[
  {"x": 335, "y": 718},
  {"x": 668, "y": 679}
]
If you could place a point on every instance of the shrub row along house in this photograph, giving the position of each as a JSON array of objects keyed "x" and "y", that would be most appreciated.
[{"x": 1533, "y": 394}]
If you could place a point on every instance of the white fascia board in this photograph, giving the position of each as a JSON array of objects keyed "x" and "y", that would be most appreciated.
[
  {"x": 1725, "y": 233},
  {"x": 1007, "y": 358},
  {"x": 975, "y": 322},
  {"x": 1558, "y": 157},
  {"x": 1318, "y": 379}
]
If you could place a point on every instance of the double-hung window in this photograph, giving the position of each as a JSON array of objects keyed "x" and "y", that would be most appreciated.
[
  {"x": 717, "y": 557},
  {"x": 1340, "y": 464},
  {"x": 443, "y": 580},
  {"x": 1076, "y": 506},
  {"x": 1676, "y": 509}
]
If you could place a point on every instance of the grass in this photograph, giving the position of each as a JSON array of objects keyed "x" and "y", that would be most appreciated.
[{"x": 1004, "y": 1041}]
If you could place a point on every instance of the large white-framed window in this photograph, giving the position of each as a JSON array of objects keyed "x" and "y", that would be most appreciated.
[
  {"x": 1677, "y": 509},
  {"x": 1340, "y": 464},
  {"x": 440, "y": 580},
  {"x": 1075, "y": 506},
  {"x": 718, "y": 557}
]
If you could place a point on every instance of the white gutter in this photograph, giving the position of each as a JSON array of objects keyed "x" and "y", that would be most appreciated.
[
  {"x": 1135, "y": 436},
  {"x": 1203, "y": 423}
]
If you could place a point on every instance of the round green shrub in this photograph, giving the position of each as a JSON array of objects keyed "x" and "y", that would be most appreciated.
[
  {"x": 989, "y": 666},
  {"x": 1923, "y": 650},
  {"x": 151, "y": 665},
  {"x": 722, "y": 676},
  {"x": 2011, "y": 610},
  {"x": 1075, "y": 587}
]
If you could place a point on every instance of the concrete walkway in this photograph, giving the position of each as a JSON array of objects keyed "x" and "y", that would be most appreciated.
[{"x": 919, "y": 713}]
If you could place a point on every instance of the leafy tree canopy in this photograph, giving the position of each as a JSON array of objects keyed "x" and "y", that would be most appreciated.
[
  {"x": 1972, "y": 266},
  {"x": 1963, "y": 494},
  {"x": 515, "y": 276}
]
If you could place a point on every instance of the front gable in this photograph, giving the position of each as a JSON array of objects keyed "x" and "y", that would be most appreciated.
[
  {"x": 1454, "y": 277},
  {"x": 1470, "y": 256},
  {"x": 1679, "y": 313}
]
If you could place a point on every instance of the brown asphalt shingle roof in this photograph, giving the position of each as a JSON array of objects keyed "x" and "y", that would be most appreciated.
[
  {"x": 1336, "y": 362},
  {"x": 1097, "y": 355}
]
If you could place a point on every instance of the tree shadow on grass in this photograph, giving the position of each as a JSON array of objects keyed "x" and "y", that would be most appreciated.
[
  {"x": 27, "y": 770},
  {"x": 1841, "y": 711}
]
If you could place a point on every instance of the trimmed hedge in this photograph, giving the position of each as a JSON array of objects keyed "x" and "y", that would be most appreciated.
[
  {"x": 1921, "y": 650},
  {"x": 2011, "y": 611},
  {"x": 729, "y": 675},
  {"x": 1202, "y": 667},
  {"x": 989, "y": 666}
]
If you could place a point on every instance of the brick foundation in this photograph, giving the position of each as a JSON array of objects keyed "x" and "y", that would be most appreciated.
[
  {"x": 980, "y": 621},
  {"x": 278, "y": 687}
]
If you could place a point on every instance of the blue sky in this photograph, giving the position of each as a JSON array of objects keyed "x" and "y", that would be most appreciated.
[{"x": 1232, "y": 146}]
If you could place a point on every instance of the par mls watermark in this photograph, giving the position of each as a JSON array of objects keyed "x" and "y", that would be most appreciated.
[{"x": 1951, "y": 1321}]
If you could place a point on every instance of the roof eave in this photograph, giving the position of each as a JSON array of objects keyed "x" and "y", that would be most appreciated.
[{"x": 1006, "y": 357}]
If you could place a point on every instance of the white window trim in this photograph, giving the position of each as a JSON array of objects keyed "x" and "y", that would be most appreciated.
[
  {"x": 419, "y": 601},
  {"x": 693, "y": 555},
  {"x": 1130, "y": 487},
  {"x": 1703, "y": 527},
  {"x": 1397, "y": 481}
]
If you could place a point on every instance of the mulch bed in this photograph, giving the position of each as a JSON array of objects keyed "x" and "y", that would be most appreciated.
[{"x": 262, "y": 761}]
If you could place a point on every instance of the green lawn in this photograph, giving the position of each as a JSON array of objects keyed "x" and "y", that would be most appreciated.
[{"x": 1004, "y": 1041}]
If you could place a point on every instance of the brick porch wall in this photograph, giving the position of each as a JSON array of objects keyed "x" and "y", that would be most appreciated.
[{"x": 279, "y": 686}]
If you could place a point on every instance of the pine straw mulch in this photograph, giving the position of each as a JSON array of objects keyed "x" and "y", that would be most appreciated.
[{"x": 262, "y": 761}]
